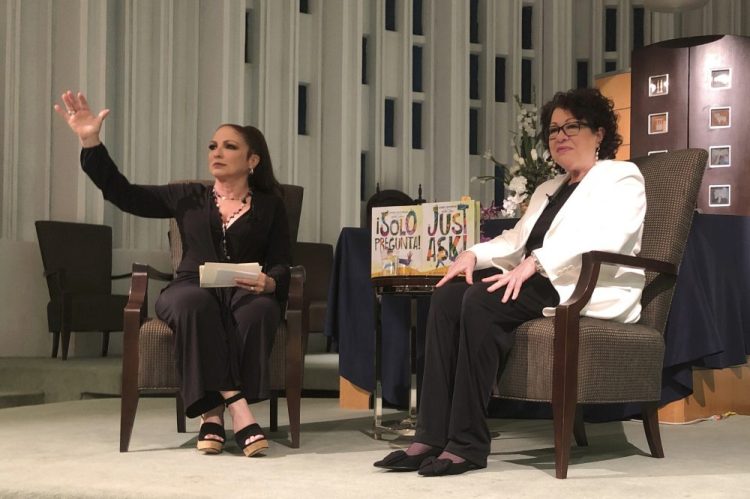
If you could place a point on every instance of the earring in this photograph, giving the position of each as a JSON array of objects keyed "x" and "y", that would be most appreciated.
[
  {"x": 252, "y": 170},
  {"x": 596, "y": 154}
]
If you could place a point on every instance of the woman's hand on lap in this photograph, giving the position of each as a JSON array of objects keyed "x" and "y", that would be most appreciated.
[
  {"x": 263, "y": 284},
  {"x": 464, "y": 264},
  {"x": 512, "y": 280}
]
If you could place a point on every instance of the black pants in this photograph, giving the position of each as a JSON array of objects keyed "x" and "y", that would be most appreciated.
[
  {"x": 223, "y": 341},
  {"x": 469, "y": 335}
]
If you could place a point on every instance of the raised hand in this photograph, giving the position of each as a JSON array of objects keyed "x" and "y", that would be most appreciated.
[{"x": 80, "y": 119}]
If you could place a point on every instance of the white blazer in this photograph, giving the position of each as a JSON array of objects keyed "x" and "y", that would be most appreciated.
[{"x": 604, "y": 213}]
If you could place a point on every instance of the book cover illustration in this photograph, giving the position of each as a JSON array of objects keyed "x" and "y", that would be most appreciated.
[{"x": 421, "y": 239}]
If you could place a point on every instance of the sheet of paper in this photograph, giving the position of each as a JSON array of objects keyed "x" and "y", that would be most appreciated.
[{"x": 221, "y": 275}]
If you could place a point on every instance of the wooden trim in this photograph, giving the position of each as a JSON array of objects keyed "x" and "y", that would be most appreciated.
[{"x": 351, "y": 396}]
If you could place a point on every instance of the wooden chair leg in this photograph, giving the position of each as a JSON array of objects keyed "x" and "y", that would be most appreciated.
[
  {"x": 563, "y": 415},
  {"x": 105, "y": 343},
  {"x": 274, "y": 402},
  {"x": 579, "y": 429},
  {"x": 128, "y": 407},
  {"x": 65, "y": 343},
  {"x": 129, "y": 386},
  {"x": 55, "y": 343},
  {"x": 650, "y": 413},
  {"x": 293, "y": 401},
  {"x": 180, "y": 413}
]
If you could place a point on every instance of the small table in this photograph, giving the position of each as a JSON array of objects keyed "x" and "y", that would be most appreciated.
[{"x": 412, "y": 287}]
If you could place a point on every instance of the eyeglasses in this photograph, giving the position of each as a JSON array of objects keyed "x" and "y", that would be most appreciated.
[{"x": 569, "y": 129}]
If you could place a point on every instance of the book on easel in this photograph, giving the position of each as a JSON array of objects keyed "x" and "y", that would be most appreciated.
[
  {"x": 222, "y": 275},
  {"x": 421, "y": 239}
]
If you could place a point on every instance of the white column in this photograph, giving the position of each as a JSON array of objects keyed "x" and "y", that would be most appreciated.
[
  {"x": 557, "y": 50},
  {"x": 92, "y": 78},
  {"x": 277, "y": 112},
  {"x": 341, "y": 98},
  {"x": 11, "y": 76},
  {"x": 450, "y": 176}
]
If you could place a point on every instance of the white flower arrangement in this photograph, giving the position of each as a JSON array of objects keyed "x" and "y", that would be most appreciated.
[{"x": 531, "y": 165}]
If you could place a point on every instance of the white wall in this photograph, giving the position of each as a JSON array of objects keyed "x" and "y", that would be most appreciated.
[{"x": 172, "y": 70}]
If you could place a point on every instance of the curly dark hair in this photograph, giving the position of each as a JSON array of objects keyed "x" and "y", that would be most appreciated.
[
  {"x": 262, "y": 179},
  {"x": 590, "y": 106}
]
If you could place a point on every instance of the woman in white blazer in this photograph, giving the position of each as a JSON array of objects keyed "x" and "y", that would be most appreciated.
[{"x": 598, "y": 204}]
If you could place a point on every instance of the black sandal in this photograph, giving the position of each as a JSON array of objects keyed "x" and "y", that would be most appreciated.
[
  {"x": 249, "y": 431},
  {"x": 210, "y": 445}
]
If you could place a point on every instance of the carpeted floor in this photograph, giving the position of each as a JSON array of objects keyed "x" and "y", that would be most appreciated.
[{"x": 70, "y": 449}]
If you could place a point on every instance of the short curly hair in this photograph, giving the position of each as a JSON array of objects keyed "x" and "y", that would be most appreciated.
[{"x": 590, "y": 106}]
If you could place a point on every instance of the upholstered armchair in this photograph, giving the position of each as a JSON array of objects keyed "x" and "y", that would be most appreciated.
[
  {"x": 148, "y": 364},
  {"x": 571, "y": 360}
]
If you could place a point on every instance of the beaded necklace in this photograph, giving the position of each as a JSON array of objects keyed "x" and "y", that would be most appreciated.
[{"x": 224, "y": 225}]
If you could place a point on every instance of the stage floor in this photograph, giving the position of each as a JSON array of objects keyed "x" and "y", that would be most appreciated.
[{"x": 70, "y": 449}]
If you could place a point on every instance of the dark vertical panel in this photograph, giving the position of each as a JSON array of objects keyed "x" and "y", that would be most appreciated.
[
  {"x": 527, "y": 27},
  {"x": 610, "y": 66},
  {"x": 389, "y": 121},
  {"x": 610, "y": 29},
  {"x": 302, "y": 109},
  {"x": 390, "y": 15},
  {"x": 416, "y": 68},
  {"x": 638, "y": 27},
  {"x": 417, "y": 18},
  {"x": 582, "y": 74},
  {"x": 473, "y": 131},
  {"x": 474, "y": 21},
  {"x": 362, "y": 175},
  {"x": 474, "y": 76},
  {"x": 248, "y": 35},
  {"x": 304, "y": 6},
  {"x": 526, "y": 81},
  {"x": 499, "y": 79},
  {"x": 364, "y": 60},
  {"x": 416, "y": 125}
]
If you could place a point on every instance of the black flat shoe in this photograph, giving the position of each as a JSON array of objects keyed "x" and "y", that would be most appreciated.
[
  {"x": 209, "y": 445},
  {"x": 442, "y": 467},
  {"x": 401, "y": 461}
]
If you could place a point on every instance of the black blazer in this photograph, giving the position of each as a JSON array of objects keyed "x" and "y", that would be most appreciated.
[{"x": 190, "y": 204}]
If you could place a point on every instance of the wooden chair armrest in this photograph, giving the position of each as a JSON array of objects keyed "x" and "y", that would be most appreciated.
[
  {"x": 296, "y": 288},
  {"x": 138, "y": 296},
  {"x": 590, "y": 266}
]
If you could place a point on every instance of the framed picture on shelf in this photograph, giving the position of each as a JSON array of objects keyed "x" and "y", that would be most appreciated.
[
  {"x": 658, "y": 85},
  {"x": 720, "y": 117},
  {"x": 721, "y": 78},
  {"x": 719, "y": 156},
  {"x": 657, "y": 152},
  {"x": 658, "y": 123},
  {"x": 720, "y": 195}
]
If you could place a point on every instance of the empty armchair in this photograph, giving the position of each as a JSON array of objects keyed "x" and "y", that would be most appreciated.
[{"x": 77, "y": 261}]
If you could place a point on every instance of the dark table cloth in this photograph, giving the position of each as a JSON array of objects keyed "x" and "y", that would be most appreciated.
[{"x": 709, "y": 323}]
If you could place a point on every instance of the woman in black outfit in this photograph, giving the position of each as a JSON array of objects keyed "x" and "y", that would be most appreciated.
[{"x": 223, "y": 336}]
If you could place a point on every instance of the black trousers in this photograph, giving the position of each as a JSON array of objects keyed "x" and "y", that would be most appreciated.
[
  {"x": 223, "y": 341},
  {"x": 469, "y": 335}
]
